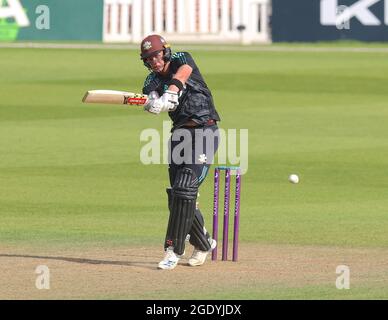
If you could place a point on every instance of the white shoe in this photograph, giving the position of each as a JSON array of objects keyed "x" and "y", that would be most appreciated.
[
  {"x": 198, "y": 257},
  {"x": 170, "y": 260}
]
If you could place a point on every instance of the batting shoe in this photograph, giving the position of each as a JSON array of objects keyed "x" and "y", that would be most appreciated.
[
  {"x": 170, "y": 260},
  {"x": 198, "y": 257}
]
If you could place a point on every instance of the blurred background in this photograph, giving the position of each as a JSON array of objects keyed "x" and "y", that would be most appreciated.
[{"x": 206, "y": 21}]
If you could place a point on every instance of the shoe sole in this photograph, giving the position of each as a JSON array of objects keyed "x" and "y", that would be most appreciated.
[
  {"x": 162, "y": 267},
  {"x": 167, "y": 268},
  {"x": 195, "y": 264}
]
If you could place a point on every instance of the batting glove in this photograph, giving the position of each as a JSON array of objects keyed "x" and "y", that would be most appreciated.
[
  {"x": 166, "y": 103},
  {"x": 153, "y": 104},
  {"x": 169, "y": 100}
]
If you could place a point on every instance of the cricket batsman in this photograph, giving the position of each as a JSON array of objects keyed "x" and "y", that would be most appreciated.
[{"x": 175, "y": 85}]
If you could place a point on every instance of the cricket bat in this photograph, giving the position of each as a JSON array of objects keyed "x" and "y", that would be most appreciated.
[{"x": 115, "y": 97}]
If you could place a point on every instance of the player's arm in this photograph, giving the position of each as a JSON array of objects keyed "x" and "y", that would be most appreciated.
[
  {"x": 150, "y": 88},
  {"x": 170, "y": 98},
  {"x": 182, "y": 75},
  {"x": 184, "y": 64}
]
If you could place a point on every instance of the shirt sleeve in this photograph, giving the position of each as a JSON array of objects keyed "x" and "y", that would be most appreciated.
[
  {"x": 151, "y": 83},
  {"x": 181, "y": 58}
]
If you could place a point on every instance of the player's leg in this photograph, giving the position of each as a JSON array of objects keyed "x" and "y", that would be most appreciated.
[
  {"x": 199, "y": 236},
  {"x": 170, "y": 260},
  {"x": 172, "y": 172},
  {"x": 187, "y": 217},
  {"x": 183, "y": 200}
]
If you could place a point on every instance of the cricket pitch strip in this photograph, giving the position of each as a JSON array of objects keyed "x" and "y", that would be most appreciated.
[{"x": 263, "y": 271}]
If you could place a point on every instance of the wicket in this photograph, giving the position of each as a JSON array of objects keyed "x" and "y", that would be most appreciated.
[{"x": 226, "y": 211}]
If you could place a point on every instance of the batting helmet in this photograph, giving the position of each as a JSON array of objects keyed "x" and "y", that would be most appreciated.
[{"x": 152, "y": 45}]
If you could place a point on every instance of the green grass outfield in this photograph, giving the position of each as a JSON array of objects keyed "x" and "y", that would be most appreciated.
[{"x": 70, "y": 174}]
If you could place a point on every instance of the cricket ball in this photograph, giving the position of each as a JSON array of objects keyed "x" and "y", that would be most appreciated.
[{"x": 293, "y": 178}]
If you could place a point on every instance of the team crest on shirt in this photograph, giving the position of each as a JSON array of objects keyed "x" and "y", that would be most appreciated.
[{"x": 147, "y": 45}]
